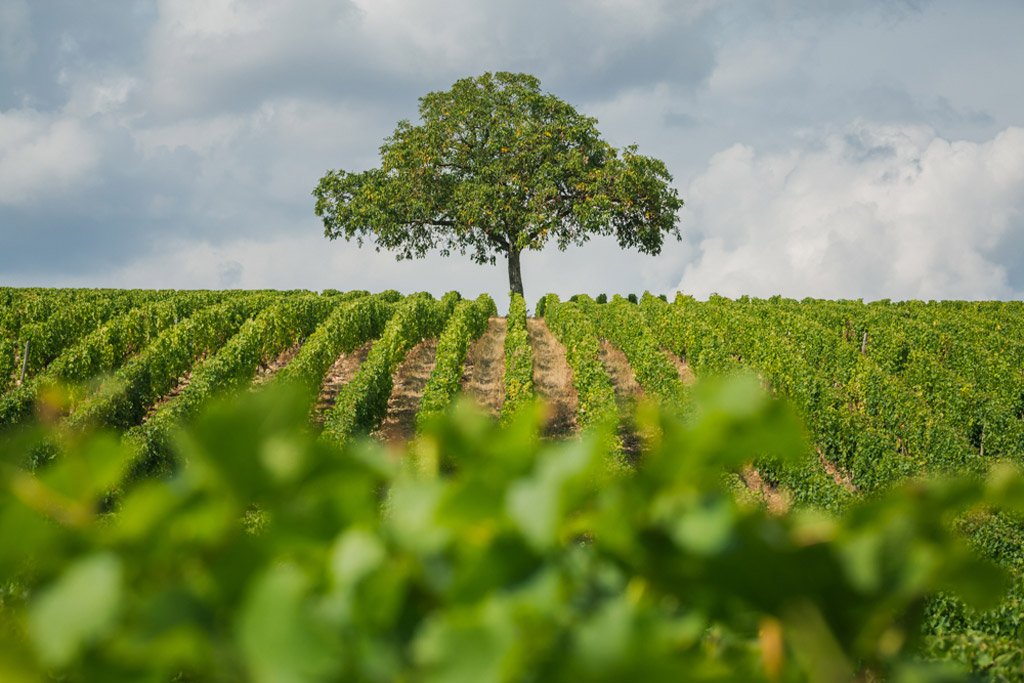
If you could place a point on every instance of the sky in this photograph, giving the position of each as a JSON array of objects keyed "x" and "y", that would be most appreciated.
[{"x": 823, "y": 148}]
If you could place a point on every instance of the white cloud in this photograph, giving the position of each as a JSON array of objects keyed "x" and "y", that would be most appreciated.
[
  {"x": 100, "y": 95},
  {"x": 214, "y": 54},
  {"x": 301, "y": 260},
  {"x": 42, "y": 155},
  {"x": 867, "y": 211}
]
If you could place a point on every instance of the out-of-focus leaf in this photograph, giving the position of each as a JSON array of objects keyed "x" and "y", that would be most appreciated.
[
  {"x": 465, "y": 646},
  {"x": 704, "y": 528},
  {"x": 536, "y": 504},
  {"x": 412, "y": 509},
  {"x": 79, "y": 609},
  {"x": 355, "y": 554},
  {"x": 280, "y": 636}
]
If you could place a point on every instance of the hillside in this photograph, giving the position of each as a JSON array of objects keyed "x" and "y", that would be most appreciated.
[{"x": 888, "y": 393}]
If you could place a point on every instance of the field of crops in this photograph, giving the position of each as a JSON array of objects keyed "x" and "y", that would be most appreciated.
[{"x": 267, "y": 485}]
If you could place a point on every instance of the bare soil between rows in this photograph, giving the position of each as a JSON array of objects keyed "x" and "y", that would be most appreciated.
[
  {"x": 266, "y": 371},
  {"x": 838, "y": 476},
  {"x": 399, "y": 425},
  {"x": 183, "y": 382},
  {"x": 627, "y": 392},
  {"x": 552, "y": 381},
  {"x": 341, "y": 373},
  {"x": 686, "y": 374},
  {"x": 483, "y": 377},
  {"x": 777, "y": 501}
]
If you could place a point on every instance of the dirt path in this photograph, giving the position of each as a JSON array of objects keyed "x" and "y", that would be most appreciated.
[
  {"x": 340, "y": 374},
  {"x": 183, "y": 382},
  {"x": 265, "y": 373},
  {"x": 686, "y": 375},
  {"x": 399, "y": 426},
  {"x": 627, "y": 392},
  {"x": 841, "y": 478},
  {"x": 484, "y": 375},
  {"x": 778, "y": 502},
  {"x": 552, "y": 380}
]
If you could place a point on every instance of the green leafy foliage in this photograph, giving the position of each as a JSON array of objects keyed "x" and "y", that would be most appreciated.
[
  {"x": 77, "y": 609},
  {"x": 625, "y": 326},
  {"x": 494, "y": 168},
  {"x": 888, "y": 391},
  {"x": 499, "y": 557},
  {"x": 539, "y": 310},
  {"x": 959, "y": 362},
  {"x": 363, "y": 402},
  {"x": 8, "y": 362},
  {"x": 21, "y": 308},
  {"x": 122, "y": 399},
  {"x": 50, "y": 320},
  {"x": 865, "y": 421},
  {"x": 350, "y": 325},
  {"x": 65, "y": 326},
  {"x": 78, "y": 364},
  {"x": 894, "y": 410},
  {"x": 467, "y": 322},
  {"x": 259, "y": 340},
  {"x": 518, "y": 360}
]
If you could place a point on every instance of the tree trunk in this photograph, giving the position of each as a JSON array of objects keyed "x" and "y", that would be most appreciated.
[{"x": 515, "y": 275}]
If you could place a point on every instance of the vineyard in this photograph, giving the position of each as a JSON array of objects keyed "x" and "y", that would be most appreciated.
[{"x": 287, "y": 485}]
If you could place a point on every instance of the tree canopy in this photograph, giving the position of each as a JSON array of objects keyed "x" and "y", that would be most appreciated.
[{"x": 494, "y": 168}]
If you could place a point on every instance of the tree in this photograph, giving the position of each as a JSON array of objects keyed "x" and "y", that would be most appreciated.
[{"x": 497, "y": 167}]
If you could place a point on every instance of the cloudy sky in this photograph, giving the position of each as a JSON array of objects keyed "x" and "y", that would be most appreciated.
[{"x": 824, "y": 148}]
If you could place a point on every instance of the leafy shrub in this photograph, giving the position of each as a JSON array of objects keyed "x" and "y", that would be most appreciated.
[
  {"x": 467, "y": 322},
  {"x": 518, "y": 360},
  {"x": 8, "y": 362},
  {"x": 626, "y": 326},
  {"x": 363, "y": 402},
  {"x": 497, "y": 556},
  {"x": 541, "y": 307}
]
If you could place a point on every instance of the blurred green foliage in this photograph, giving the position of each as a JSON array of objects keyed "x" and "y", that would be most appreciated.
[{"x": 484, "y": 554}]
